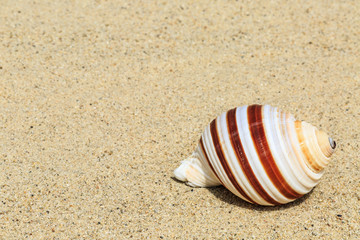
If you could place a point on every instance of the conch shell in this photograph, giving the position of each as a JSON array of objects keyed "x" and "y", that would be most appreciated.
[{"x": 260, "y": 154}]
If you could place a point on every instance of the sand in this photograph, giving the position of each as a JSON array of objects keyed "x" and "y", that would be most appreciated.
[{"x": 101, "y": 100}]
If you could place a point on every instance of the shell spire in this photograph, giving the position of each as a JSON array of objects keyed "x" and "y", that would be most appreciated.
[
  {"x": 260, "y": 154},
  {"x": 316, "y": 145}
]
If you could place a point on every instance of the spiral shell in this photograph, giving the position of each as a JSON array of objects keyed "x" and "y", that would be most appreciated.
[{"x": 260, "y": 154}]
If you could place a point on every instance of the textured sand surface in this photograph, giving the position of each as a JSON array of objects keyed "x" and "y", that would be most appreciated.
[{"x": 101, "y": 100}]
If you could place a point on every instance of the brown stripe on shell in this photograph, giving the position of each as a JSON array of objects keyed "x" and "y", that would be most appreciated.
[
  {"x": 242, "y": 159},
  {"x": 208, "y": 161},
  {"x": 311, "y": 163},
  {"x": 257, "y": 132},
  {"x": 224, "y": 164}
]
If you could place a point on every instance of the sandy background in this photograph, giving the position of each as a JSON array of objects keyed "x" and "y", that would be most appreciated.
[{"x": 101, "y": 100}]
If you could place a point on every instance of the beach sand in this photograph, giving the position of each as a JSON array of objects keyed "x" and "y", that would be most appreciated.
[{"x": 101, "y": 100}]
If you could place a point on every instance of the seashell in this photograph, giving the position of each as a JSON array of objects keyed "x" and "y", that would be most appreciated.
[{"x": 260, "y": 154}]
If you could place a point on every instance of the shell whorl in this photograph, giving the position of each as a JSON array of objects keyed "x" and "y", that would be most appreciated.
[{"x": 259, "y": 153}]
